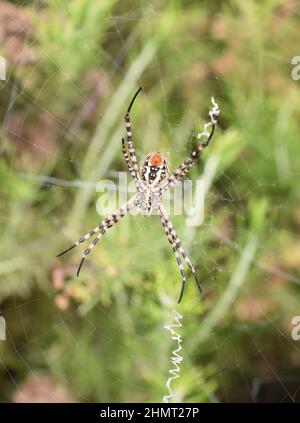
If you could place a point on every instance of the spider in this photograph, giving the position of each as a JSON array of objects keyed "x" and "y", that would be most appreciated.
[{"x": 152, "y": 180}]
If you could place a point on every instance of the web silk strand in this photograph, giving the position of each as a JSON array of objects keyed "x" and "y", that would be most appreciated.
[{"x": 176, "y": 358}]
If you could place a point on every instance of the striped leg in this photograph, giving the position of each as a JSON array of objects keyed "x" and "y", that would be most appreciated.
[
  {"x": 177, "y": 255},
  {"x": 177, "y": 243},
  {"x": 131, "y": 146},
  {"x": 129, "y": 137},
  {"x": 138, "y": 182},
  {"x": 105, "y": 224},
  {"x": 187, "y": 164},
  {"x": 82, "y": 239},
  {"x": 183, "y": 254},
  {"x": 127, "y": 160}
]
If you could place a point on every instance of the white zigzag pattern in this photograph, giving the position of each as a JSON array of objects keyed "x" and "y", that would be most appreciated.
[
  {"x": 176, "y": 358},
  {"x": 213, "y": 113}
]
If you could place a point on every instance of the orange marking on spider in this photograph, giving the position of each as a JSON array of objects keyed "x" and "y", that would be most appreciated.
[{"x": 156, "y": 159}]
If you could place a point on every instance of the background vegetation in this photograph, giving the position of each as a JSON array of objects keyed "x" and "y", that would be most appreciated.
[{"x": 72, "y": 67}]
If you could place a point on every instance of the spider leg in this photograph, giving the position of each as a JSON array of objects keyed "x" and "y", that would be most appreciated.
[
  {"x": 89, "y": 249},
  {"x": 127, "y": 160},
  {"x": 170, "y": 231},
  {"x": 190, "y": 265},
  {"x": 177, "y": 256},
  {"x": 179, "y": 247},
  {"x": 187, "y": 164},
  {"x": 137, "y": 180},
  {"x": 131, "y": 148},
  {"x": 82, "y": 239},
  {"x": 185, "y": 256},
  {"x": 105, "y": 224}
]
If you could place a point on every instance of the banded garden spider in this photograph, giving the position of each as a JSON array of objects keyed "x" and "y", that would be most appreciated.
[{"x": 152, "y": 181}]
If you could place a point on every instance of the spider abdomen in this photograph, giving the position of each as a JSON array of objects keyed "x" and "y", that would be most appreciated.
[{"x": 147, "y": 201}]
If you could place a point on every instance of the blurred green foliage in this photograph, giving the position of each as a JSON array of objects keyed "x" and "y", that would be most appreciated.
[{"x": 72, "y": 68}]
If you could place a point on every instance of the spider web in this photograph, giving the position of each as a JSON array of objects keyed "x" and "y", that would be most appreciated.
[{"x": 96, "y": 326}]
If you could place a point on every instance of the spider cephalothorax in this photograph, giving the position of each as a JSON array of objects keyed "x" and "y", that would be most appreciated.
[
  {"x": 151, "y": 182},
  {"x": 154, "y": 168}
]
